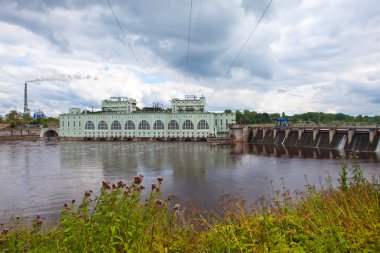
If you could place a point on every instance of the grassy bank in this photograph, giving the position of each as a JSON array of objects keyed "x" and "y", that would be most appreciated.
[{"x": 343, "y": 219}]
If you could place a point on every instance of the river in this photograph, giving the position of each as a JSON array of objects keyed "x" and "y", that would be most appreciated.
[{"x": 39, "y": 177}]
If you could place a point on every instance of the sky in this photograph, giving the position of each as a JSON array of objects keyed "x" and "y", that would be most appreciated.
[{"x": 304, "y": 55}]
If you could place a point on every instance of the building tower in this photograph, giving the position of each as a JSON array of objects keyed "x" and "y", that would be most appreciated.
[{"x": 26, "y": 109}]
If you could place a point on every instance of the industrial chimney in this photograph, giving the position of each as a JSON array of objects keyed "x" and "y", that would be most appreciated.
[{"x": 26, "y": 109}]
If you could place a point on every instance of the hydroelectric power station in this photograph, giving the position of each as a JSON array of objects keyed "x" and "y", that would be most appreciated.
[{"x": 120, "y": 119}]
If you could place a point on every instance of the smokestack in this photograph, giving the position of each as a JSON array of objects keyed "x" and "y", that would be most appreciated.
[{"x": 26, "y": 109}]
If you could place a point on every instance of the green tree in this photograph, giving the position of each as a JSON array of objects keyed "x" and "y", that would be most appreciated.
[
  {"x": 14, "y": 118},
  {"x": 13, "y": 115}
]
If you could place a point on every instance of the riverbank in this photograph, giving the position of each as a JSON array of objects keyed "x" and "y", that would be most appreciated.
[{"x": 333, "y": 219}]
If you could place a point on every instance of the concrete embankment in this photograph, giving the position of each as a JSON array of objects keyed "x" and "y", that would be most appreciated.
[{"x": 20, "y": 134}]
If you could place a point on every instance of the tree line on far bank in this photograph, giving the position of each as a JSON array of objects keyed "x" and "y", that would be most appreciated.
[
  {"x": 253, "y": 117},
  {"x": 17, "y": 119}
]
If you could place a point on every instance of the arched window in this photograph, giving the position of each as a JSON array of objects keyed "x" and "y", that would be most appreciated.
[
  {"x": 89, "y": 126},
  {"x": 144, "y": 125},
  {"x": 116, "y": 125},
  {"x": 187, "y": 125},
  {"x": 158, "y": 125},
  {"x": 102, "y": 125},
  {"x": 129, "y": 125},
  {"x": 173, "y": 125},
  {"x": 202, "y": 124}
]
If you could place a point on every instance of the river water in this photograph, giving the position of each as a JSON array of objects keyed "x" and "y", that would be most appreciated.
[{"x": 39, "y": 177}]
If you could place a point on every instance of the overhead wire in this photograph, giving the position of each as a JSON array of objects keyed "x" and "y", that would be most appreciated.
[
  {"x": 195, "y": 31},
  {"x": 188, "y": 44},
  {"x": 242, "y": 48},
  {"x": 129, "y": 45}
]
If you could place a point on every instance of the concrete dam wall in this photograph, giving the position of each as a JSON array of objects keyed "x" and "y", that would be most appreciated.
[{"x": 343, "y": 138}]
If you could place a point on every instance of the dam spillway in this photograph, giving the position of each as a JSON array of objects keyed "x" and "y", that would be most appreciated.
[{"x": 327, "y": 137}]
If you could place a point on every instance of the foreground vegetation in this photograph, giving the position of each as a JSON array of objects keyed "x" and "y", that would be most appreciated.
[{"x": 331, "y": 219}]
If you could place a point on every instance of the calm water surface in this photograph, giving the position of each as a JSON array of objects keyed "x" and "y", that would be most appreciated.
[{"x": 39, "y": 177}]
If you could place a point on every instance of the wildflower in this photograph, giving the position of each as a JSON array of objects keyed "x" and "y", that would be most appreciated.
[
  {"x": 140, "y": 187},
  {"x": 113, "y": 186},
  {"x": 154, "y": 186},
  {"x": 176, "y": 207},
  {"x": 37, "y": 221},
  {"x": 5, "y": 231},
  {"x": 18, "y": 217},
  {"x": 120, "y": 184},
  {"x": 160, "y": 179},
  {"x": 138, "y": 180},
  {"x": 87, "y": 193},
  {"x": 65, "y": 205},
  {"x": 106, "y": 185},
  {"x": 159, "y": 202},
  {"x": 72, "y": 201}
]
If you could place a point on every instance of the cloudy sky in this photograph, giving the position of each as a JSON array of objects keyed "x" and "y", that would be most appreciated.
[{"x": 305, "y": 55}]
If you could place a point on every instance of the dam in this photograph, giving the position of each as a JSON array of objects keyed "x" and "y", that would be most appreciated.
[{"x": 349, "y": 138}]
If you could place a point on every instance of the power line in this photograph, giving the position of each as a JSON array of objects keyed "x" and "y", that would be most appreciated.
[
  {"x": 188, "y": 44},
  {"x": 129, "y": 45},
  {"x": 242, "y": 48},
  {"x": 195, "y": 31}
]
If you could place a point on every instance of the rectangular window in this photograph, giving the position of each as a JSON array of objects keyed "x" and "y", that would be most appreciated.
[{"x": 68, "y": 123}]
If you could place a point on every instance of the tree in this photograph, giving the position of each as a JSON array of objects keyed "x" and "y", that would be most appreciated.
[
  {"x": 13, "y": 115},
  {"x": 227, "y": 111},
  {"x": 359, "y": 118},
  {"x": 14, "y": 118}
]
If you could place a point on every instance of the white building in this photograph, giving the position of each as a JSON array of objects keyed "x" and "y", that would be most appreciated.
[{"x": 120, "y": 119}]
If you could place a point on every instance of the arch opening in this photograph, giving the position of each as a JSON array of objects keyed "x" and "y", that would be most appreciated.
[{"x": 50, "y": 133}]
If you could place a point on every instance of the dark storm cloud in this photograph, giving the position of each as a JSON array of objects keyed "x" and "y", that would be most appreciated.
[
  {"x": 152, "y": 22},
  {"x": 208, "y": 40},
  {"x": 31, "y": 16},
  {"x": 256, "y": 7},
  {"x": 370, "y": 94}
]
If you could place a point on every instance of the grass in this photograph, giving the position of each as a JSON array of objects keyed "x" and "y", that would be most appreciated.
[{"x": 330, "y": 219}]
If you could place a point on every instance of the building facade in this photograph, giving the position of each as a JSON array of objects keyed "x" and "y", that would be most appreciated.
[
  {"x": 39, "y": 114},
  {"x": 120, "y": 119}
]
